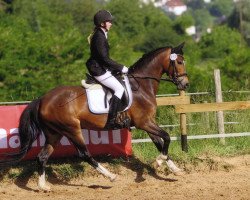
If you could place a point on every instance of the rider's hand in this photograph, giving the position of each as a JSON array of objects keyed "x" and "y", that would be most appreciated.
[{"x": 124, "y": 70}]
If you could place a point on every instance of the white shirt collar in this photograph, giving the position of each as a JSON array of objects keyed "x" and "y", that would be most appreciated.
[{"x": 105, "y": 32}]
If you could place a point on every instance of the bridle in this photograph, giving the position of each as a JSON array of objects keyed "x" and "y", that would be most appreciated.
[{"x": 173, "y": 79}]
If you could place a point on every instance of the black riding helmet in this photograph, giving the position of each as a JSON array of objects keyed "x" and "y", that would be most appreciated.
[{"x": 102, "y": 16}]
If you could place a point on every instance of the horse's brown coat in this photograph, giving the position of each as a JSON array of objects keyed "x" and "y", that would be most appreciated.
[{"x": 63, "y": 111}]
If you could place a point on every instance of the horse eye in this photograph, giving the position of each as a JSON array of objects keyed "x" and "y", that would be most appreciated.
[{"x": 180, "y": 62}]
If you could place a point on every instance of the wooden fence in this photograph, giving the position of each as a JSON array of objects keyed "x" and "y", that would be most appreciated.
[{"x": 183, "y": 106}]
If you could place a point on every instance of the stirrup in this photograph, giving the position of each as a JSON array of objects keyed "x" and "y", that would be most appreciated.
[
  {"x": 123, "y": 120},
  {"x": 118, "y": 123}
]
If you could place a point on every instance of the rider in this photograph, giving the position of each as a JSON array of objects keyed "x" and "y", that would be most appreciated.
[{"x": 101, "y": 66}]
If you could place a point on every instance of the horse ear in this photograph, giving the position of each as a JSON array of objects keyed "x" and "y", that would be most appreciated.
[
  {"x": 178, "y": 49},
  {"x": 181, "y": 45}
]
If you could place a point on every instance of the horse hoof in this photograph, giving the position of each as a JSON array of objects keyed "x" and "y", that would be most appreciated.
[
  {"x": 174, "y": 169},
  {"x": 113, "y": 177},
  {"x": 155, "y": 165},
  {"x": 44, "y": 188},
  {"x": 178, "y": 172}
]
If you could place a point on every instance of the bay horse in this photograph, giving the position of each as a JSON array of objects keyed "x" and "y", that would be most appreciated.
[{"x": 64, "y": 111}]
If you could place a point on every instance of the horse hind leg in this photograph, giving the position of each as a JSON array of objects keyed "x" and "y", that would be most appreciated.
[
  {"x": 42, "y": 160},
  {"x": 89, "y": 159},
  {"x": 78, "y": 142}
]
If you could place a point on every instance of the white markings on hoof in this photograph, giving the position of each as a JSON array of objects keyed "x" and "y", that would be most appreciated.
[
  {"x": 174, "y": 169},
  {"x": 160, "y": 159},
  {"x": 106, "y": 172},
  {"x": 113, "y": 178},
  {"x": 42, "y": 183}
]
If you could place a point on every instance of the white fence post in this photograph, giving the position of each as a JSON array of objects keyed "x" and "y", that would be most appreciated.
[{"x": 218, "y": 94}]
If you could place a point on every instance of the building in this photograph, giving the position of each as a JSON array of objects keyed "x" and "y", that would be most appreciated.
[
  {"x": 156, "y": 3},
  {"x": 176, "y": 7}
]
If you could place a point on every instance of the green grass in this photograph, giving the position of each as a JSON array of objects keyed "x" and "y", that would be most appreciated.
[
  {"x": 196, "y": 148},
  {"x": 200, "y": 124}
]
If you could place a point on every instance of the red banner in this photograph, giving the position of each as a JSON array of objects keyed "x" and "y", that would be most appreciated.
[{"x": 115, "y": 142}]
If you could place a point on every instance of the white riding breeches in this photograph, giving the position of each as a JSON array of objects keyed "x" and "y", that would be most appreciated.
[{"x": 111, "y": 82}]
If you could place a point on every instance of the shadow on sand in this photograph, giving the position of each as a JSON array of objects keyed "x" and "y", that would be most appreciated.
[{"x": 28, "y": 170}]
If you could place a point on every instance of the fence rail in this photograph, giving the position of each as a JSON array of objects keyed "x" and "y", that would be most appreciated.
[
  {"x": 195, "y": 137},
  {"x": 207, "y": 107}
]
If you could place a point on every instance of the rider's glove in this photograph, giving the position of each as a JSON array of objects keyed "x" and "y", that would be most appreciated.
[{"x": 124, "y": 70}]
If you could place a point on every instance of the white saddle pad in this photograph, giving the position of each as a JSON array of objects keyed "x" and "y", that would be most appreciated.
[{"x": 96, "y": 97}]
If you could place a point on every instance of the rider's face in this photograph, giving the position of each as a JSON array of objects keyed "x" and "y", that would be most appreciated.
[{"x": 107, "y": 25}]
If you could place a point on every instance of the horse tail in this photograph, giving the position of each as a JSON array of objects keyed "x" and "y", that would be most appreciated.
[{"x": 29, "y": 129}]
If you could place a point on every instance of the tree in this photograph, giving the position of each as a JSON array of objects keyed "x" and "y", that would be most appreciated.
[
  {"x": 196, "y": 4},
  {"x": 240, "y": 19},
  {"x": 222, "y": 42},
  {"x": 182, "y": 22},
  {"x": 129, "y": 18},
  {"x": 43, "y": 43},
  {"x": 6, "y": 6},
  {"x": 203, "y": 20},
  {"x": 220, "y": 8},
  {"x": 223, "y": 46},
  {"x": 39, "y": 49}
]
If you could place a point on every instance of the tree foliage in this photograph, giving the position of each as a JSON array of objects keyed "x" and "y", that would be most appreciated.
[
  {"x": 240, "y": 19},
  {"x": 221, "y": 8},
  {"x": 43, "y": 43}
]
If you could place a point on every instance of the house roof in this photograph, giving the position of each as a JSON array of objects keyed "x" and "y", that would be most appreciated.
[{"x": 174, "y": 3}]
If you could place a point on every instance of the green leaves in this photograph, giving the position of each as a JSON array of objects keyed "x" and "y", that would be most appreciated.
[
  {"x": 43, "y": 43},
  {"x": 38, "y": 51},
  {"x": 221, "y": 42}
]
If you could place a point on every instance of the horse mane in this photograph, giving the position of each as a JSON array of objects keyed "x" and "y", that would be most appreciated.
[{"x": 147, "y": 58}]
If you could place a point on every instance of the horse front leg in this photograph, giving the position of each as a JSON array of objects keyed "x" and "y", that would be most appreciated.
[{"x": 161, "y": 139}]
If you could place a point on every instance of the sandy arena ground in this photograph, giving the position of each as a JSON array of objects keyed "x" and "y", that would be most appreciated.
[{"x": 232, "y": 183}]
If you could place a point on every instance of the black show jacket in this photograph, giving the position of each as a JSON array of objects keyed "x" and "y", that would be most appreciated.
[{"x": 99, "y": 60}]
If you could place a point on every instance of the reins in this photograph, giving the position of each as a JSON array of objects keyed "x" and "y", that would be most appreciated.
[
  {"x": 173, "y": 79},
  {"x": 145, "y": 78},
  {"x": 149, "y": 77}
]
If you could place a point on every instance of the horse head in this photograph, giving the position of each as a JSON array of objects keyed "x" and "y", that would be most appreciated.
[
  {"x": 175, "y": 67},
  {"x": 167, "y": 60}
]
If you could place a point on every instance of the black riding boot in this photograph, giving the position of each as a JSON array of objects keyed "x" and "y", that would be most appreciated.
[
  {"x": 114, "y": 106},
  {"x": 114, "y": 121}
]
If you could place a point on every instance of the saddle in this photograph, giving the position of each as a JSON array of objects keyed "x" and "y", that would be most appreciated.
[{"x": 98, "y": 96}]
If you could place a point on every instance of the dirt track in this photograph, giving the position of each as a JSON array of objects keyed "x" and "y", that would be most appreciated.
[{"x": 228, "y": 183}]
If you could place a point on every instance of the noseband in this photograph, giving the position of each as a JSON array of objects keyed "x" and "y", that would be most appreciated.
[{"x": 175, "y": 76}]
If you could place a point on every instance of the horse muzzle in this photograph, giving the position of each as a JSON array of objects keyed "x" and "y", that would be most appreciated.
[{"x": 182, "y": 83}]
